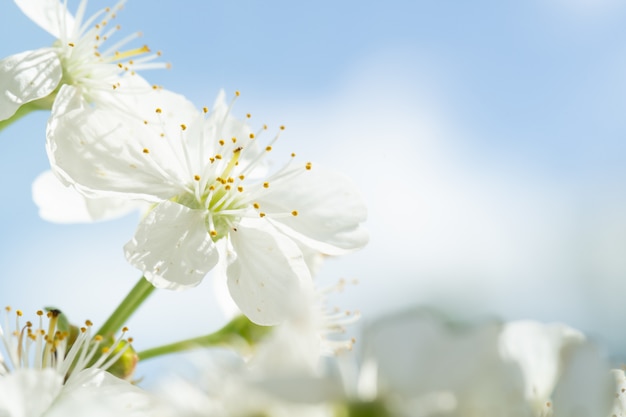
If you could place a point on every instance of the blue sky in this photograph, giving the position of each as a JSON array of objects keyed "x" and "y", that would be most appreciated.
[{"x": 487, "y": 138}]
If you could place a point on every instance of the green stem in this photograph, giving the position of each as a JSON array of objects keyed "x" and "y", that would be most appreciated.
[
  {"x": 126, "y": 308},
  {"x": 240, "y": 332}
]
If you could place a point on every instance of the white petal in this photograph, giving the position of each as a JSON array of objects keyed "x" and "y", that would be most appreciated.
[
  {"x": 50, "y": 15},
  {"x": 436, "y": 363},
  {"x": 61, "y": 204},
  {"x": 537, "y": 348},
  {"x": 107, "y": 152},
  {"x": 27, "y": 76},
  {"x": 330, "y": 208},
  {"x": 172, "y": 247},
  {"x": 586, "y": 386},
  {"x": 96, "y": 393},
  {"x": 28, "y": 392},
  {"x": 619, "y": 404},
  {"x": 268, "y": 270}
]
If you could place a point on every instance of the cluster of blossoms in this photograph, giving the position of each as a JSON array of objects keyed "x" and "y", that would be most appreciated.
[{"x": 212, "y": 203}]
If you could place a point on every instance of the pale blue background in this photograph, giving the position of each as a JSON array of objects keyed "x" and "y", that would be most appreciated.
[{"x": 486, "y": 136}]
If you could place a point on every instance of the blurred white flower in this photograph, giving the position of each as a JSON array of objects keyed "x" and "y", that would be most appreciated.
[
  {"x": 521, "y": 368},
  {"x": 202, "y": 172},
  {"x": 229, "y": 385},
  {"x": 418, "y": 364},
  {"x": 50, "y": 371},
  {"x": 76, "y": 58}
]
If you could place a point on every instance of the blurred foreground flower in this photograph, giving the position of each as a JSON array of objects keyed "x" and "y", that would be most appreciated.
[
  {"x": 229, "y": 385},
  {"x": 29, "y": 80},
  {"x": 50, "y": 370},
  {"x": 420, "y": 365},
  {"x": 203, "y": 173}
]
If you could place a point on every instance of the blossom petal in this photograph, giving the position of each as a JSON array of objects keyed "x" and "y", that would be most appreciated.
[
  {"x": 61, "y": 204},
  {"x": 96, "y": 393},
  {"x": 268, "y": 270},
  {"x": 172, "y": 247},
  {"x": 28, "y": 392},
  {"x": 537, "y": 347},
  {"x": 329, "y": 206},
  {"x": 586, "y": 387},
  {"x": 27, "y": 76},
  {"x": 51, "y": 15},
  {"x": 107, "y": 152}
]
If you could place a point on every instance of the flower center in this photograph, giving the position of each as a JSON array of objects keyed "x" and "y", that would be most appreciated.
[
  {"x": 86, "y": 64},
  {"x": 58, "y": 345},
  {"x": 220, "y": 196}
]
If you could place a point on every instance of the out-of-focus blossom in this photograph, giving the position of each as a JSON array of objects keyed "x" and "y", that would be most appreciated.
[
  {"x": 211, "y": 204},
  {"x": 421, "y": 365},
  {"x": 77, "y": 58},
  {"x": 49, "y": 370},
  {"x": 230, "y": 385}
]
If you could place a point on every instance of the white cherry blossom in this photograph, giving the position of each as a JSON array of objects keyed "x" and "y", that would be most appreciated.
[
  {"x": 47, "y": 371},
  {"x": 82, "y": 56},
  {"x": 202, "y": 172}
]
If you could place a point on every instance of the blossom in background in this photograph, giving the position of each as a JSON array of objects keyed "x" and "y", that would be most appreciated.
[
  {"x": 50, "y": 371},
  {"x": 204, "y": 174},
  {"x": 230, "y": 385},
  {"x": 77, "y": 58},
  {"x": 418, "y": 364}
]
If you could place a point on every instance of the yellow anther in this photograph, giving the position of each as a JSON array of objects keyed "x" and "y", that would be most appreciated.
[
  {"x": 294, "y": 213},
  {"x": 88, "y": 323},
  {"x": 124, "y": 329},
  {"x": 241, "y": 177},
  {"x": 119, "y": 64},
  {"x": 196, "y": 177},
  {"x": 39, "y": 313},
  {"x": 205, "y": 109},
  {"x": 237, "y": 93},
  {"x": 240, "y": 189},
  {"x": 248, "y": 115},
  {"x": 268, "y": 148},
  {"x": 293, "y": 154},
  {"x": 282, "y": 127},
  {"x": 212, "y": 160},
  {"x": 212, "y": 188},
  {"x": 146, "y": 150},
  {"x": 71, "y": 44},
  {"x": 266, "y": 185},
  {"x": 183, "y": 126},
  {"x": 251, "y": 135},
  {"x": 98, "y": 338},
  {"x": 264, "y": 127},
  {"x": 221, "y": 141},
  {"x": 261, "y": 214},
  {"x": 19, "y": 313},
  {"x": 308, "y": 166},
  {"x": 231, "y": 180},
  {"x": 227, "y": 187},
  {"x": 213, "y": 233},
  {"x": 218, "y": 156},
  {"x": 256, "y": 205},
  {"x": 158, "y": 110},
  {"x": 131, "y": 340},
  {"x": 234, "y": 140}
]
